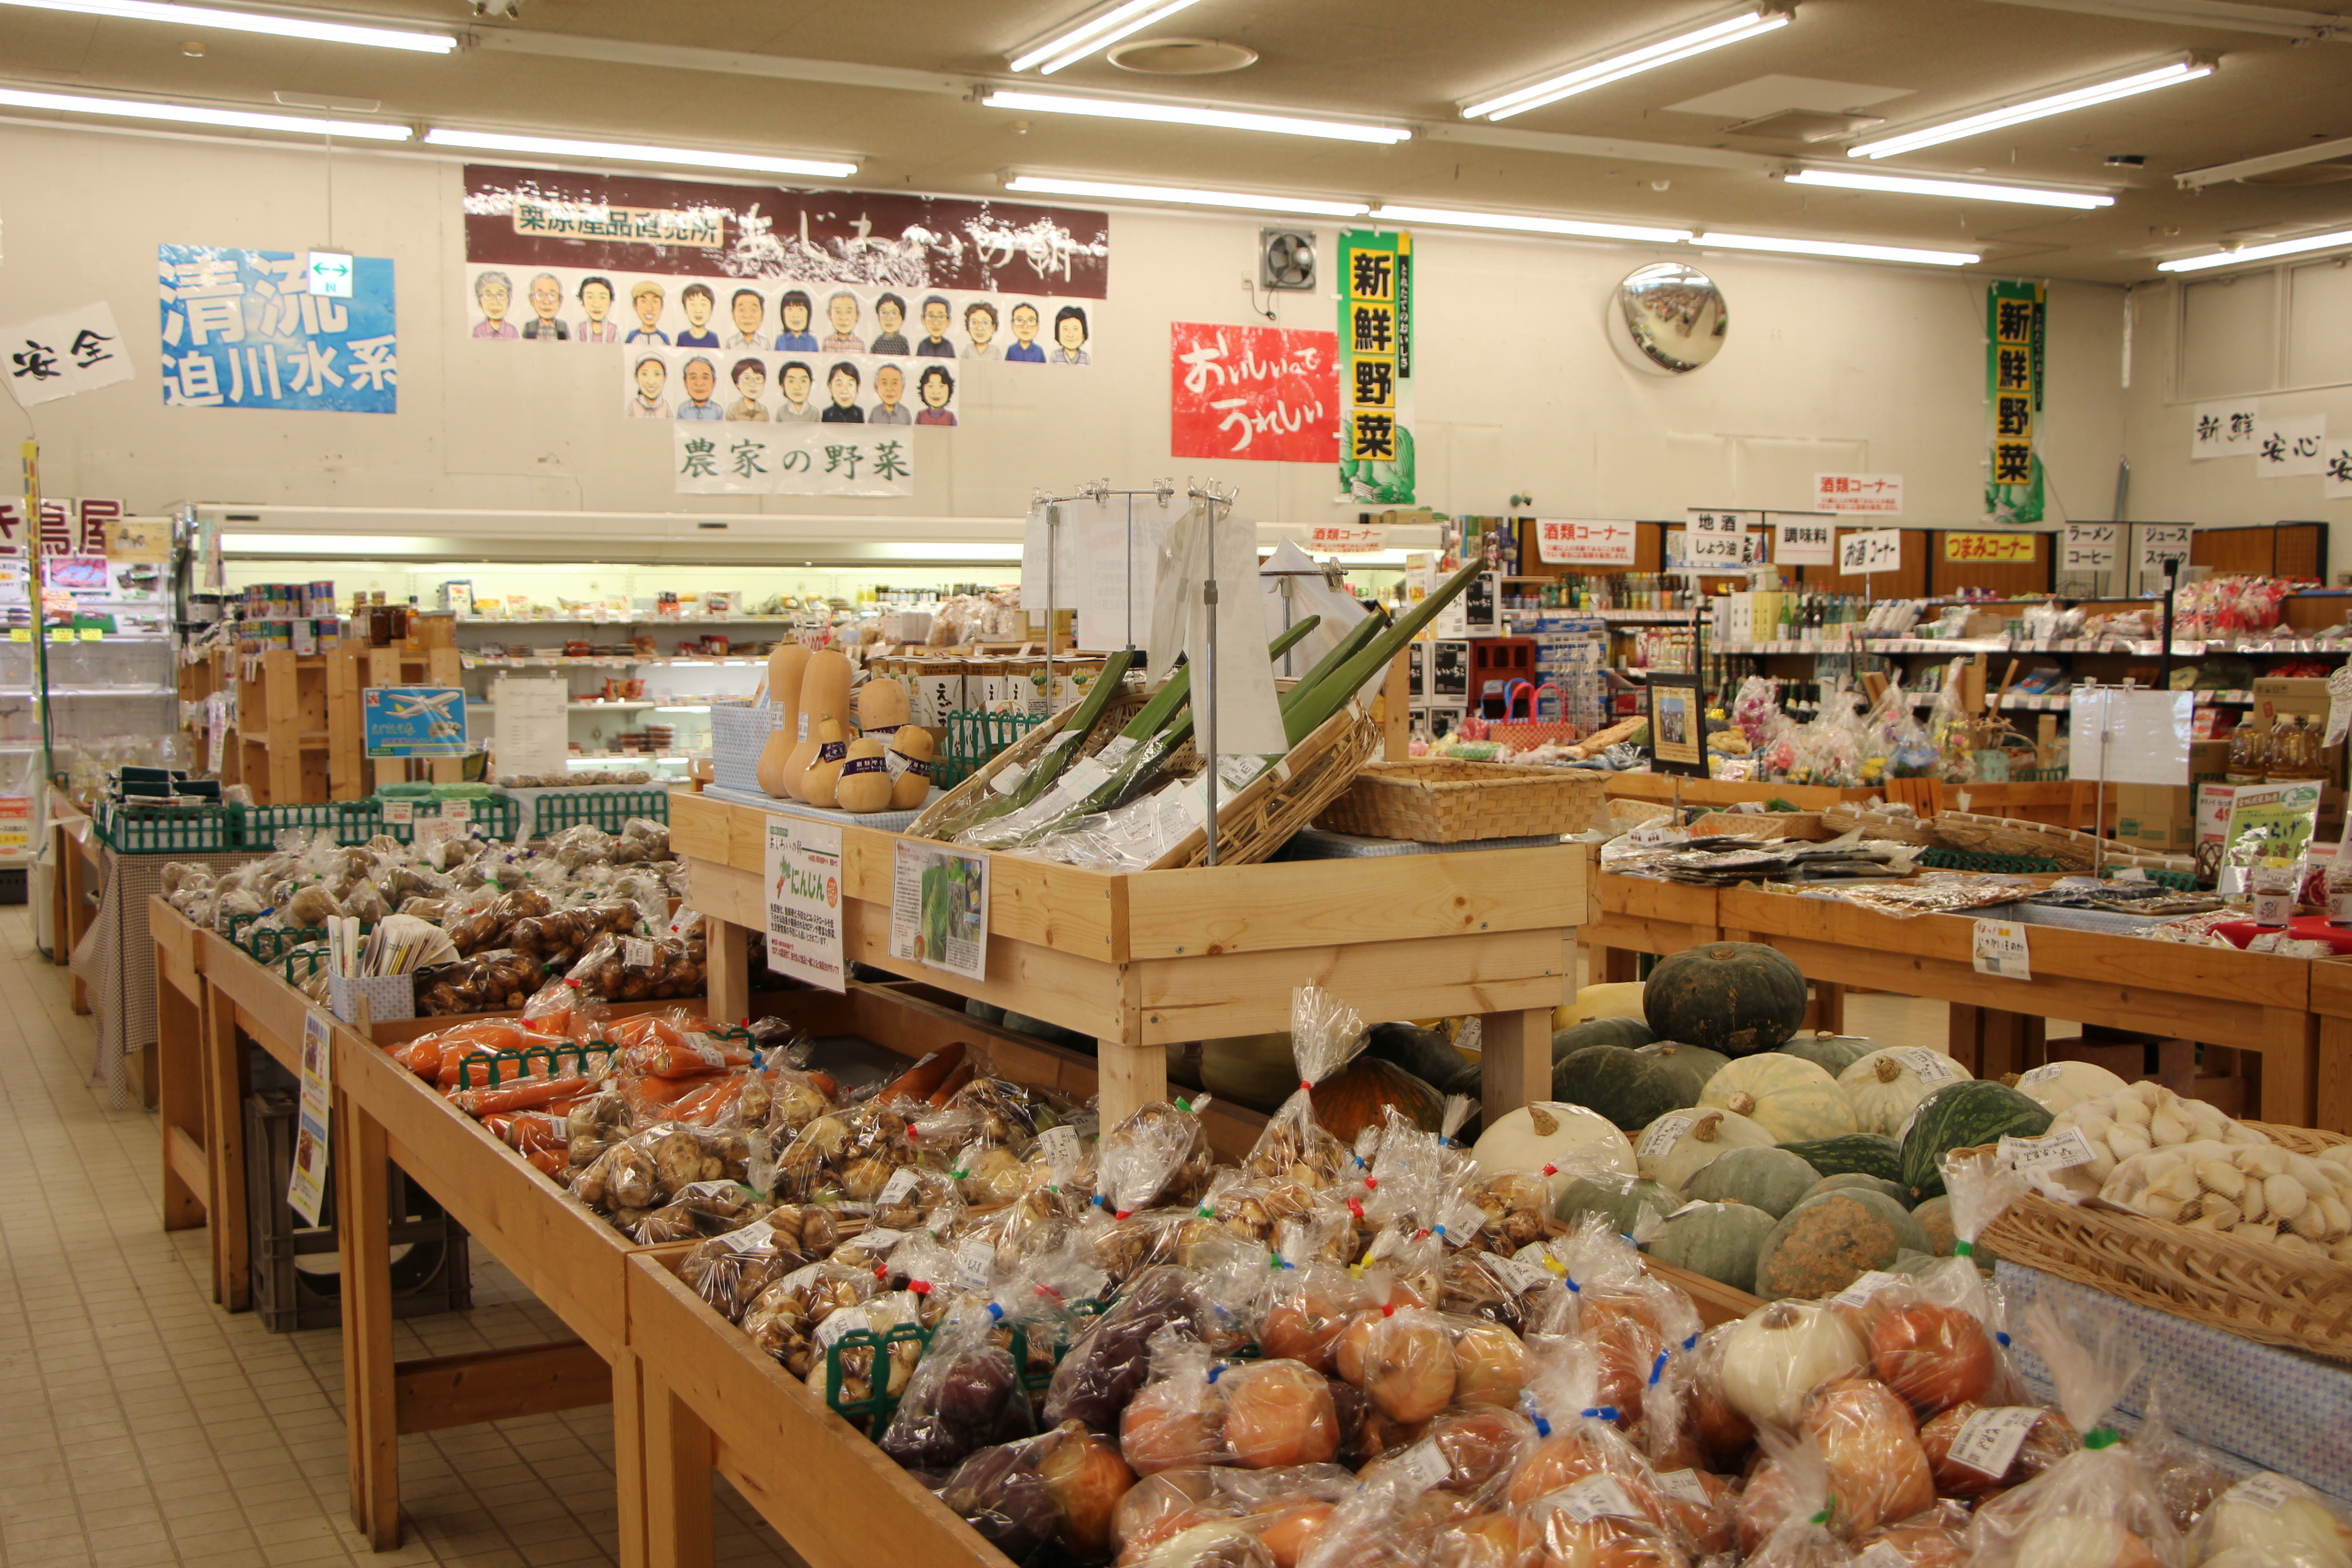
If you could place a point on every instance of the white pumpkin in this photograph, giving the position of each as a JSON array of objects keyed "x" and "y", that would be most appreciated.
[
  {"x": 1610, "y": 999},
  {"x": 2061, "y": 1085},
  {"x": 1556, "y": 1141},
  {"x": 1782, "y": 1351},
  {"x": 2055, "y": 1540},
  {"x": 1788, "y": 1096},
  {"x": 1681, "y": 1144},
  {"x": 1885, "y": 1085},
  {"x": 2271, "y": 1514}
]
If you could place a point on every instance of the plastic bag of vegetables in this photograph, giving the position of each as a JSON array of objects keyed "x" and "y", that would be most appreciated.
[
  {"x": 1324, "y": 1035},
  {"x": 1802, "y": 1538},
  {"x": 1587, "y": 1492}
]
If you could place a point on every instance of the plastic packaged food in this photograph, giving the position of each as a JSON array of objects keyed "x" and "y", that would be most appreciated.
[
  {"x": 1112, "y": 1357},
  {"x": 1877, "y": 1471}
]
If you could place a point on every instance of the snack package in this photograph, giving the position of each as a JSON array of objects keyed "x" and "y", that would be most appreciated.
[{"x": 2099, "y": 1507}]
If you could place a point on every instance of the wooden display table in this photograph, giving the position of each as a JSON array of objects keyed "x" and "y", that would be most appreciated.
[
  {"x": 2331, "y": 1006},
  {"x": 1143, "y": 959}
]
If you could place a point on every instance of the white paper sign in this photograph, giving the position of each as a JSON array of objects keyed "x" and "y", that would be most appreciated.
[
  {"x": 2088, "y": 547},
  {"x": 2000, "y": 950},
  {"x": 51, "y": 357},
  {"x": 1718, "y": 539},
  {"x": 1096, "y": 571},
  {"x": 1338, "y": 539},
  {"x": 804, "y": 871},
  {"x": 747, "y": 459},
  {"x": 528, "y": 724},
  {"x": 2335, "y": 469},
  {"x": 2291, "y": 448},
  {"x": 2160, "y": 543},
  {"x": 1803, "y": 541},
  {"x": 2223, "y": 429},
  {"x": 1585, "y": 541},
  {"x": 2126, "y": 736},
  {"x": 939, "y": 908},
  {"x": 306, "y": 1190},
  {"x": 1988, "y": 1440},
  {"x": 1881, "y": 494},
  {"x": 1879, "y": 550}
]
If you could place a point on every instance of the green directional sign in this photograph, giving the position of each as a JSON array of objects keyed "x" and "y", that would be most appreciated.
[{"x": 330, "y": 273}]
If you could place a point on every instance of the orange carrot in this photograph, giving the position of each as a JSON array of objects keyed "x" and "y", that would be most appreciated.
[
  {"x": 528, "y": 1094},
  {"x": 918, "y": 1081},
  {"x": 955, "y": 1080}
]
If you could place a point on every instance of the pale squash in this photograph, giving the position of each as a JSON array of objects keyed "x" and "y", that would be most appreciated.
[
  {"x": 1790, "y": 1098},
  {"x": 824, "y": 772},
  {"x": 1609, "y": 999},
  {"x": 1556, "y": 1141},
  {"x": 1256, "y": 1070},
  {"x": 1886, "y": 1085},
  {"x": 1831, "y": 1053},
  {"x": 787, "y": 664},
  {"x": 1772, "y": 1180},
  {"x": 1624, "y": 1197},
  {"x": 1832, "y": 1239},
  {"x": 1691, "y": 1066},
  {"x": 865, "y": 783},
  {"x": 1681, "y": 1144},
  {"x": 2060, "y": 1086},
  {"x": 823, "y": 688},
  {"x": 1717, "y": 1240},
  {"x": 910, "y": 766}
]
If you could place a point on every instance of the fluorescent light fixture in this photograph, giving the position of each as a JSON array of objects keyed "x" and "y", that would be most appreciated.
[
  {"x": 2342, "y": 236},
  {"x": 1664, "y": 51},
  {"x": 198, "y": 115},
  {"x": 2172, "y": 75},
  {"x": 637, "y": 152},
  {"x": 1966, "y": 190},
  {"x": 2270, "y": 163},
  {"x": 317, "y": 30},
  {"x": 1053, "y": 185},
  {"x": 1178, "y": 114},
  {"x": 303, "y": 545},
  {"x": 1835, "y": 248},
  {"x": 1518, "y": 224},
  {"x": 1099, "y": 31}
]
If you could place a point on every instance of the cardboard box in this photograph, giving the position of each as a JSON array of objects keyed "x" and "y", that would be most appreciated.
[{"x": 2158, "y": 817}]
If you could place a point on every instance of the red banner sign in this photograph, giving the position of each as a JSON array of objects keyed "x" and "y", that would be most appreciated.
[{"x": 1267, "y": 393}]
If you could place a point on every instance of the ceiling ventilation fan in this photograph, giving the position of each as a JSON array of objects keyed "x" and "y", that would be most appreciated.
[{"x": 1285, "y": 258}]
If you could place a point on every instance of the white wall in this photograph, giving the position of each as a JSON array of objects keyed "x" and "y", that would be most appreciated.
[{"x": 1827, "y": 365}]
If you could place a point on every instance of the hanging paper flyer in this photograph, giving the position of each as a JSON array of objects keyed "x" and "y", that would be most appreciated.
[
  {"x": 938, "y": 908},
  {"x": 804, "y": 902},
  {"x": 306, "y": 1191}
]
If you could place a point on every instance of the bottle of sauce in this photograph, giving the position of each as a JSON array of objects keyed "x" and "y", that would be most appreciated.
[
  {"x": 2249, "y": 753},
  {"x": 2295, "y": 751}
]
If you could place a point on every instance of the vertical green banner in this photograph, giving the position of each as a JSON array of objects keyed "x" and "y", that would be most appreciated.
[
  {"x": 2015, "y": 323},
  {"x": 1376, "y": 367}
]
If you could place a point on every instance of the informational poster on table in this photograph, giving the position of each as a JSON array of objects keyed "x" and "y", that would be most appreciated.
[
  {"x": 306, "y": 1188},
  {"x": 1267, "y": 393},
  {"x": 938, "y": 908},
  {"x": 242, "y": 329},
  {"x": 803, "y": 871}
]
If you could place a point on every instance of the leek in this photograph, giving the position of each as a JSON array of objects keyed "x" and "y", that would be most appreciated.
[{"x": 1057, "y": 756}]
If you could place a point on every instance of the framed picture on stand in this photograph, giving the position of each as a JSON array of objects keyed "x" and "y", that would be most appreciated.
[{"x": 1677, "y": 725}]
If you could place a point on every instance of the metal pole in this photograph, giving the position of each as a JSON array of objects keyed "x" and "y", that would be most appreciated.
[
  {"x": 2099, "y": 798},
  {"x": 1052, "y": 549},
  {"x": 1209, "y": 718}
]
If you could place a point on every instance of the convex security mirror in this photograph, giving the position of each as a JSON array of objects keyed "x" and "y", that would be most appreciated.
[{"x": 1671, "y": 319}]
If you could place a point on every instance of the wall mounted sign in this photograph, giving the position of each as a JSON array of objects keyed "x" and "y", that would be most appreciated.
[
  {"x": 1270, "y": 394},
  {"x": 1876, "y": 493},
  {"x": 1376, "y": 455},
  {"x": 57, "y": 355},
  {"x": 242, "y": 329},
  {"x": 2016, "y": 316}
]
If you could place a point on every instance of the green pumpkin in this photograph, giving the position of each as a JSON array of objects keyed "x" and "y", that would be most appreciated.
[
  {"x": 1628, "y": 1087},
  {"x": 1935, "y": 1217},
  {"x": 1628, "y": 1033},
  {"x": 1830, "y": 1240},
  {"x": 1961, "y": 1116},
  {"x": 1869, "y": 1152},
  {"x": 1624, "y": 1198},
  {"x": 1256, "y": 1070},
  {"x": 1718, "y": 1240},
  {"x": 1856, "y": 1180},
  {"x": 986, "y": 1012},
  {"x": 1772, "y": 1180},
  {"x": 1692, "y": 1064},
  {"x": 1831, "y": 1053},
  {"x": 1736, "y": 997},
  {"x": 1424, "y": 1053}
]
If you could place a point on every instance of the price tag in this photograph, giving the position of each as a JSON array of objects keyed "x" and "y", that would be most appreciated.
[
  {"x": 20, "y": 634},
  {"x": 1084, "y": 775},
  {"x": 1684, "y": 1485},
  {"x": 880, "y": 1240},
  {"x": 758, "y": 1234},
  {"x": 1595, "y": 1497},
  {"x": 456, "y": 811},
  {"x": 637, "y": 951},
  {"x": 902, "y": 1181},
  {"x": 89, "y": 634},
  {"x": 719, "y": 1189},
  {"x": 1519, "y": 1274},
  {"x": 61, "y": 634},
  {"x": 1988, "y": 1440},
  {"x": 2000, "y": 950},
  {"x": 1930, "y": 1067},
  {"x": 1663, "y": 1135},
  {"x": 2266, "y": 1491},
  {"x": 803, "y": 731},
  {"x": 1692, "y": 1208},
  {"x": 1657, "y": 836},
  {"x": 975, "y": 1264},
  {"x": 2040, "y": 1075},
  {"x": 397, "y": 812},
  {"x": 2057, "y": 1151},
  {"x": 1424, "y": 1463},
  {"x": 1862, "y": 1290},
  {"x": 1060, "y": 1146},
  {"x": 1007, "y": 779},
  {"x": 684, "y": 921},
  {"x": 798, "y": 1278},
  {"x": 837, "y": 1324}
]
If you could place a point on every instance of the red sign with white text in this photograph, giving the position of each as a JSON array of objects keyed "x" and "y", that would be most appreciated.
[{"x": 1267, "y": 394}]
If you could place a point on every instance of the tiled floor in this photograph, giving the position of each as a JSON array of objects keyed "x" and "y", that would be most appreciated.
[{"x": 140, "y": 1424}]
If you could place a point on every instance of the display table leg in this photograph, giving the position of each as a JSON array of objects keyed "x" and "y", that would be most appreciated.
[
  {"x": 73, "y": 871},
  {"x": 2006, "y": 1042},
  {"x": 1516, "y": 1048},
  {"x": 629, "y": 1454},
  {"x": 1828, "y": 1008},
  {"x": 2290, "y": 1067},
  {"x": 224, "y": 1091},
  {"x": 180, "y": 1102},
  {"x": 2332, "y": 1105},
  {"x": 726, "y": 970},
  {"x": 678, "y": 1457},
  {"x": 363, "y": 1249},
  {"x": 1965, "y": 1037},
  {"x": 1128, "y": 1079}
]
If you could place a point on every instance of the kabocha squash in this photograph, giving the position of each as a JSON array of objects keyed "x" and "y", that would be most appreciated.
[
  {"x": 2060, "y": 1085},
  {"x": 1831, "y": 1053},
  {"x": 1718, "y": 1240},
  {"x": 1558, "y": 1142},
  {"x": 1691, "y": 1065},
  {"x": 1681, "y": 1144},
  {"x": 1885, "y": 1087},
  {"x": 1628, "y": 1087},
  {"x": 1772, "y": 1180},
  {"x": 1854, "y": 1181},
  {"x": 1609, "y": 999},
  {"x": 1623, "y": 1197},
  {"x": 1788, "y": 1097},
  {"x": 1935, "y": 1217},
  {"x": 1868, "y": 1153},
  {"x": 1736, "y": 997},
  {"x": 1961, "y": 1116},
  {"x": 1359, "y": 1095},
  {"x": 1833, "y": 1239},
  {"x": 1256, "y": 1070},
  {"x": 1626, "y": 1033},
  {"x": 1424, "y": 1053}
]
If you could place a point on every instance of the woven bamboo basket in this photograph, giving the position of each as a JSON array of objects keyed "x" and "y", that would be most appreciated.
[
  {"x": 2007, "y": 836},
  {"x": 1441, "y": 801},
  {"x": 1894, "y": 827},
  {"x": 1805, "y": 825},
  {"x": 2264, "y": 1293}
]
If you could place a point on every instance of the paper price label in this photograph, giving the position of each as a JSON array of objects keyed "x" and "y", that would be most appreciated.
[
  {"x": 1663, "y": 1135},
  {"x": 2000, "y": 950},
  {"x": 1085, "y": 773},
  {"x": 880, "y": 1240},
  {"x": 1595, "y": 1497},
  {"x": 1652, "y": 836},
  {"x": 1521, "y": 1274},
  {"x": 719, "y": 1189},
  {"x": 1930, "y": 1067},
  {"x": 799, "y": 1279},
  {"x": 2048, "y": 1074},
  {"x": 456, "y": 811},
  {"x": 902, "y": 1181},
  {"x": 2058, "y": 1152},
  {"x": 975, "y": 1264},
  {"x": 1988, "y": 1440},
  {"x": 1424, "y": 1463},
  {"x": 400, "y": 812},
  {"x": 1684, "y": 1485},
  {"x": 2266, "y": 1491},
  {"x": 829, "y": 1332},
  {"x": 1864, "y": 1289},
  {"x": 1060, "y": 1145},
  {"x": 684, "y": 921},
  {"x": 758, "y": 1234},
  {"x": 637, "y": 951},
  {"x": 804, "y": 729}
]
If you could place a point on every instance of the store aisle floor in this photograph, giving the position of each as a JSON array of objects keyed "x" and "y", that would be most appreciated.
[{"x": 142, "y": 1425}]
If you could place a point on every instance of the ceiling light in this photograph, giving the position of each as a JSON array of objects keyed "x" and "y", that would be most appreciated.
[
  {"x": 197, "y": 114},
  {"x": 1518, "y": 223},
  {"x": 633, "y": 153},
  {"x": 2018, "y": 113},
  {"x": 1051, "y": 185},
  {"x": 1835, "y": 248},
  {"x": 1180, "y": 114},
  {"x": 320, "y": 31},
  {"x": 2247, "y": 168},
  {"x": 1679, "y": 46},
  {"x": 2259, "y": 252},
  {"x": 2314, "y": 26},
  {"x": 1099, "y": 31},
  {"x": 1906, "y": 185}
]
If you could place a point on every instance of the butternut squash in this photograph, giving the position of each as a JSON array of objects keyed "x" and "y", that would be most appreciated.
[
  {"x": 775, "y": 777},
  {"x": 865, "y": 784},
  {"x": 785, "y": 666},
  {"x": 819, "y": 784},
  {"x": 823, "y": 688},
  {"x": 910, "y": 766}
]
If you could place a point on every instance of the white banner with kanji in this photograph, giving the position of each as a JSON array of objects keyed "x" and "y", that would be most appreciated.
[
  {"x": 754, "y": 459},
  {"x": 55, "y": 356},
  {"x": 1584, "y": 541}
]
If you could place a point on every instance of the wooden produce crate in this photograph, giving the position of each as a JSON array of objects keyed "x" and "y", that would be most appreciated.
[{"x": 2331, "y": 1006}]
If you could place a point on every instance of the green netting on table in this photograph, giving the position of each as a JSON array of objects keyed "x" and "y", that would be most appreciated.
[
  {"x": 1989, "y": 865},
  {"x": 973, "y": 740}
]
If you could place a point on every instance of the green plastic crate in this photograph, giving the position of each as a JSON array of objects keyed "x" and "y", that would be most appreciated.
[
  {"x": 973, "y": 740},
  {"x": 353, "y": 821},
  {"x": 169, "y": 829},
  {"x": 1989, "y": 864},
  {"x": 608, "y": 808}
]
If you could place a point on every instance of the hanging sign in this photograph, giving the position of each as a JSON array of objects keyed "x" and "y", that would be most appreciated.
[
  {"x": 1269, "y": 393},
  {"x": 1338, "y": 539},
  {"x": 2160, "y": 543},
  {"x": 55, "y": 356},
  {"x": 414, "y": 721},
  {"x": 242, "y": 329},
  {"x": 1879, "y": 550},
  {"x": 1585, "y": 542},
  {"x": 1800, "y": 542},
  {"x": 1992, "y": 547},
  {"x": 2291, "y": 448},
  {"x": 1376, "y": 454},
  {"x": 2223, "y": 429},
  {"x": 804, "y": 901},
  {"x": 1718, "y": 539},
  {"x": 1879, "y": 493},
  {"x": 791, "y": 460},
  {"x": 2016, "y": 317},
  {"x": 2087, "y": 547}
]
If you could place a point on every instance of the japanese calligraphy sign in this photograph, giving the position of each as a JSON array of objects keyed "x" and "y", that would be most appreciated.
[
  {"x": 2223, "y": 429},
  {"x": 2290, "y": 447},
  {"x": 55, "y": 356},
  {"x": 2088, "y": 547},
  {"x": 1990, "y": 547},
  {"x": 69, "y": 527},
  {"x": 1879, "y": 550},
  {"x": 1880, "y": 493},
  {"x": 2159, "y": 542},
  {"x": 791, "y": 460},
  {"x": 755, "y": 386},
  {"x": 1376, "y": 455},
  {"x": 2335, "y": 469},
  {"x": 1585, "y": 541},
  {"x": 242, "y": 329},
  {"x": 1801, "y": 542},
  {"x": 1340, "y": 539},
  {"x": 1266, "y": 393},
  {"x": 1719, "y": 538},
  {"x": 2016, "y": 316}
]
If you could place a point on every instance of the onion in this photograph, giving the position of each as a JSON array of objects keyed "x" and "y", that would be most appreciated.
[
  {"x": 2296, "y": 1523},
  {"x": 1780, "y": 1353},
  {"x": 1306, "y": 1326},
  {"x": 2049, "y": 1440},
  {"x": 1279, "y": 1413},
  {"x": 1405, "y": 1361},
  {"x": 1935, "y": 1357},
  {"x": 1174, "y": 1423},
  {"x": 1483, "y": 1540},
  {"x": 1490, "y": 1366},
  {"x": 1769, "y": 1500},
  {"x": 1935, "y": 1539},
  {"x": 1480, "y": 1445},
  {"x": 1877, "y": 1471},
  {"x": 1159, "y": 1506},
  {"x": 1286, "y": 1534},
  {"x": 2079, "y": 1541},
  {"x": 1710, "y": 1525},
  {"x": 1624, "y": 1334},
  {"x": 1089, "y": 1479}
]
